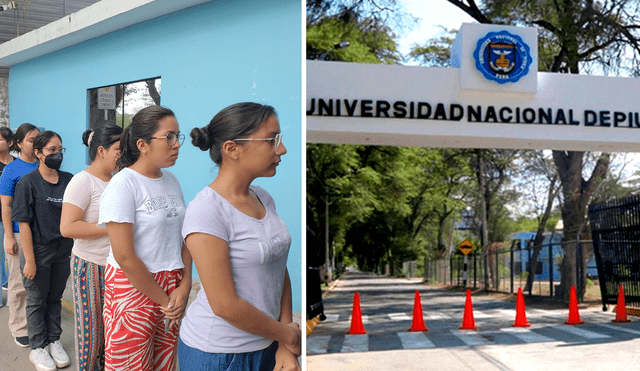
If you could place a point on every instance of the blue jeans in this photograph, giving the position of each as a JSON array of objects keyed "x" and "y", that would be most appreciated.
[
  {"x": 192, "y": 359},
  {"x": 4, "y": 275}
]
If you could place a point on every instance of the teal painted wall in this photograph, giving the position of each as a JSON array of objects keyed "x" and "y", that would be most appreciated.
[{"x": 208, "y": 56}]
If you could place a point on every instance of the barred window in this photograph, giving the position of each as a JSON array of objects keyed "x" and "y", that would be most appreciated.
[{"x": 116, "y": 104}]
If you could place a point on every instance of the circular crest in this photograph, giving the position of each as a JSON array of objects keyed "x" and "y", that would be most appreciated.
[{"x": 502, "y": 57}]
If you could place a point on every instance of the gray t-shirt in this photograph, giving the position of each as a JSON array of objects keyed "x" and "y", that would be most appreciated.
[{"x": 258, "y": 250}]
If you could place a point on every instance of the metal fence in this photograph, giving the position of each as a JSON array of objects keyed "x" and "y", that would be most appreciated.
[
  {"x": 615, "y": 228},
  {"x": 506, "y": 270}
]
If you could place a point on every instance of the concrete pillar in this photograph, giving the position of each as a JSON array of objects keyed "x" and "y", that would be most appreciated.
[{"x": 4, "y": 101}]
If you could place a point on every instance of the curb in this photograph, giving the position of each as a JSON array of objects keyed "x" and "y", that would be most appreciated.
[
  {"x": 311, "y": 324},
  {"x": 630, "y": 311}
]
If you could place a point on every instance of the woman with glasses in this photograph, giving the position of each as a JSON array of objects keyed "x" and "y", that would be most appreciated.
[
  {"x": 80, "y": 207},
  {"x": 12, "y": 173},
  {"x": 37, "y": 206},
  {"x": 242, "y": 319},
  {"x": 148, "y": 271}
]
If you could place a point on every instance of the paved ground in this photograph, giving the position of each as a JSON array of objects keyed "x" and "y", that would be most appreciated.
[
  {"x": 387, "y": 309},
  {"x": 14, "y": 358}
]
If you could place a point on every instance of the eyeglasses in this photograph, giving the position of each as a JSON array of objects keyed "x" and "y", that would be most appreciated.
[
  {"x": 172, "y": 138},
  {"x": 55, "y": 149},
  {"x": 277, "y": 140}
]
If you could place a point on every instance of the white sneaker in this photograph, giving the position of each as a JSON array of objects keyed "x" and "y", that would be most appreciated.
[
  {"x": 41, "y": 359},
  {"x": 58, "y": 354}
]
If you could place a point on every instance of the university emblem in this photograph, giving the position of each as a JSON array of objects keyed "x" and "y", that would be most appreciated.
[{"x": 502, "y": 57}]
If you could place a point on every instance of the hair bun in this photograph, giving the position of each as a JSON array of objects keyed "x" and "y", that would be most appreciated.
[
  {"x": 200, "y": 139},
  {"x": 85, "y": 137}
]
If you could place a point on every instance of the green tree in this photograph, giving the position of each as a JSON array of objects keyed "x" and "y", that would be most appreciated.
[
  {"x": 369, "y": 40},
  {"x": 435, "y": 52},
  {"x": 330, "y": 173},
  {"x": 340, "y": 190},
  {"x": 574, "y": 36}
]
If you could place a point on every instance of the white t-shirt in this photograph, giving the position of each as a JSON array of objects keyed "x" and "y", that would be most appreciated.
[
  {"x": 156, "y": 208},
  {"x": 84, "y": 191},
  {"x": 258, "y": 250}
]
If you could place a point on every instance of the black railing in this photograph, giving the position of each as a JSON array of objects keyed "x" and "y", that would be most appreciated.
[
  {"x": 615, "y": 229},
  {"x": 508, "y": 269}
]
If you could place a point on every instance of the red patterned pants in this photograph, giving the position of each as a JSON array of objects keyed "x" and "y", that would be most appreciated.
[{"x": 135, "y": 336}]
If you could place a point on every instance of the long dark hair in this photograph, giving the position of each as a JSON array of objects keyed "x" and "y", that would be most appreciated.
[
  {"x": 42, "y": 139},
  {"x": 7, "y": 134},
  {"x": 236, "y": 121},
  {"x": 103, "y": 136},
  {"x": 21, "y": 132},
  {"x": 142, "y": 126}
]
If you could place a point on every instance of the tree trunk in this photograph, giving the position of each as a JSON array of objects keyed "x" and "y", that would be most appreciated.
[
  {"x": 576, "y": 194},
  {"x": 483, "y": 211},
  {"x": 539, "y": 239},
  {"x": 153, "y": 92}
]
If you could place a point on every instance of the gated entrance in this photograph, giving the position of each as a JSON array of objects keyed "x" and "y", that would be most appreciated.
[
  {"x": 462, "y": 107},
  {"x": 615, "y": 228}
]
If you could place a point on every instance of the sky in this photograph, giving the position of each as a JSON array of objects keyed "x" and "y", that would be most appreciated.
[{"x": 432, "y": 14}]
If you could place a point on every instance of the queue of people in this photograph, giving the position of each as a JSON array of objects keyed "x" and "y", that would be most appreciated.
[{"x": 123, "y": 231}]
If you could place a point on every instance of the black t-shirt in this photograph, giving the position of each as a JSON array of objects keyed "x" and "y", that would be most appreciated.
[
  {"x": 2, "y": 165},
  {"x": 39, "y": 203}
]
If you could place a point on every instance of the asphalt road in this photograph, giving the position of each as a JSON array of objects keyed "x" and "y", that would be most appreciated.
[{"x": 387, "y": 305}]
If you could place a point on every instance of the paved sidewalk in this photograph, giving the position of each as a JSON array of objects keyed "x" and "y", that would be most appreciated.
[{"x": 14, "y": 358}]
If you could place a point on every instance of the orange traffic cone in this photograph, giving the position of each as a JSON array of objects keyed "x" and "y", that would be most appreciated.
[
  {"x": 521, "y": 316},
  {"x": 357, "y": 328},
  {"x": 621, "y": 310},
  {"x": 418, "y": 320},
  {"x": 468, "y": 323},
  {"x": 574, "y": 316}
]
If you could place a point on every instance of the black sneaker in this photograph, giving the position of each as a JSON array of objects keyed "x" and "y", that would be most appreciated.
[
  {"x": 5, "y": 287},
  {"x": 22, "y": 341}
]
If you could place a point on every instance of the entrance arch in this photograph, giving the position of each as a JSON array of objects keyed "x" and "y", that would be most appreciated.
[{"x": 458, "y": 107}]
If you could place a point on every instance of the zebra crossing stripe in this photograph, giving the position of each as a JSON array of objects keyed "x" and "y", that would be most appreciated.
[
  {"x": 365, "y": 318},
  {"x": 436, "y": 315},
  {"x": 470, "y": 337},
  {"x": 508, "y": 312},
  {"x": 415, "y": 340},
  {"x": 318, "y": 344},
  {"x": 580, "y": 332},
  {"x": 355, "y": 343},
  {"x": 399, "y": 317},
  {"x": 543, "y": 312},
  {"x": 526, "y": 335},
  {"x": 619, "y": 328},
  {"x": 331, "y": 318},
  {"x": 478, "y": 314}
]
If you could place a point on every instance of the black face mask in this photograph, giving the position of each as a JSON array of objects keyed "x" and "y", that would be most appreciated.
[{"x": 53, "y": 161}]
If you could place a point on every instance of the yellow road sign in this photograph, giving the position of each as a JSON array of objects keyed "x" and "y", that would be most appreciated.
[{"x": 466, "y": 247}]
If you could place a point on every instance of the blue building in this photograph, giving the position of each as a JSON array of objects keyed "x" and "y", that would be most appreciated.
[
  {"x": 522, "y": 244},
  {"x": 207, "y": 55}
]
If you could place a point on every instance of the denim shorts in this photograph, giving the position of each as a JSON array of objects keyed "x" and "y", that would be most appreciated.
[{"x": 192, "y": 359}]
